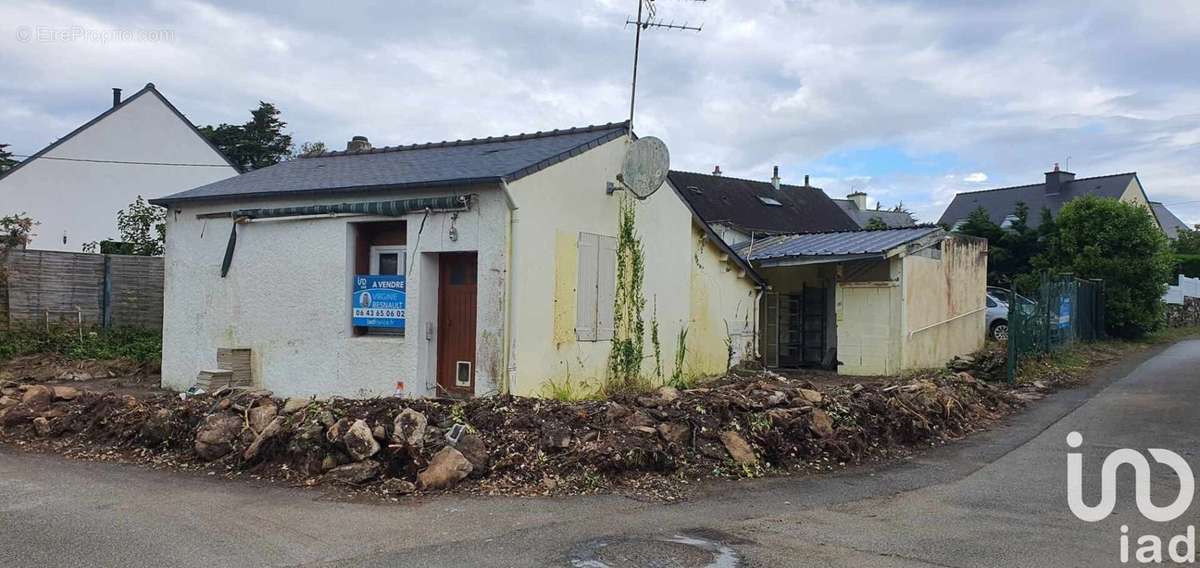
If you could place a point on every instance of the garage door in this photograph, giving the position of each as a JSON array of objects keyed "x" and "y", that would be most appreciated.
[{"x": 867, "y": 325}]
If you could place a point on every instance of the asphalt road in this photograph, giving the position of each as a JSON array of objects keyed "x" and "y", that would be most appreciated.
[{"x": 996, "y": 499}]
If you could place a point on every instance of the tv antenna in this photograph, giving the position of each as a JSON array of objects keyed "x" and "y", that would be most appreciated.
[{"x": 647, "y": 9}]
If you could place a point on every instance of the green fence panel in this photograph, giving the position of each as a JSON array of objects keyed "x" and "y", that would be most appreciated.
[{"x": 1064, "y": 310}]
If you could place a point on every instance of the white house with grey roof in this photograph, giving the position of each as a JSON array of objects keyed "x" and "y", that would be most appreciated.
[
  {"x": 461, "y": 268},
  {"x": 74, "y": 187},
  {"x": 1058, "y": 188}
]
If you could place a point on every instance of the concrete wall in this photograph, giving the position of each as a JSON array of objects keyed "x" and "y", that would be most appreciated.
[
  {"x": 82, "y": 199},
  {"x": 287, "y": 297},
  {"x": 687, "y": 284},
  {"x": 944, "y": 299}
]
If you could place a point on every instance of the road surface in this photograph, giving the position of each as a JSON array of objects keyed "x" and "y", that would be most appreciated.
[{"x": 996, "y": 499}]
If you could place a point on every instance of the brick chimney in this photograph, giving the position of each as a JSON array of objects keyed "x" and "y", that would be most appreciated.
[
  {"x": 358, "y": 144},
  {"x": 775, "y": 178},
  {"x": 1055, "y": 180},
  {"x": 860, "y": 200}
]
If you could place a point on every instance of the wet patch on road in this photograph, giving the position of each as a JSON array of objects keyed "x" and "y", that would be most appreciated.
[{"x": 697, "y": 549}]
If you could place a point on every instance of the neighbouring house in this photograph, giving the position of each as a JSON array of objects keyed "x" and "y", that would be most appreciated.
[
  {"x": 863, "y": 302},
  {"x": 737, "y": 209},
  {"x": 1059, "y": 188},
  {"x": 461, "y": 268},
  {"x": 1171, "y": 225},
  {"x": 141, "y": 145},
  {"x": 855, "y": 205}
]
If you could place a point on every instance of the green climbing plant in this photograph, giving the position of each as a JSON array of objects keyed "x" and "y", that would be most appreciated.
[
  {"x": 629, "y": 327},
  {"x": 654, "y": 342}
]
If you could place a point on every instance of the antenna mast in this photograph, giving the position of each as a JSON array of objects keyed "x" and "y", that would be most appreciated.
[{"x": 648, "y": 23}]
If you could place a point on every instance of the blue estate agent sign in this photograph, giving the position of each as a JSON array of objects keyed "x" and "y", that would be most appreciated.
[{"x": 378, "y": 301}]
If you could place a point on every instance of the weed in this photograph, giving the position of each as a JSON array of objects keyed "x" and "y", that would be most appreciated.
[
  {"x": 143, "y": 346},
  {"x": 677, "y": 375}
]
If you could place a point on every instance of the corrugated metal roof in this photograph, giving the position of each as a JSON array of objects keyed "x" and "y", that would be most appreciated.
[
  {"x": 464, "y": 162},
  {"x": 832, "y": 244}
]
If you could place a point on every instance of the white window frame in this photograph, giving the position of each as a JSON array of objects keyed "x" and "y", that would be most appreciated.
[{"x": 401, "y": 250}]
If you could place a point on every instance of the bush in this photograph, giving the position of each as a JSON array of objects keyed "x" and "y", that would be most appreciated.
[
  {"x": 1121, "y": 244},
  {"x": 143, "y": 346},
  {"x": 1188, "y": 265}
]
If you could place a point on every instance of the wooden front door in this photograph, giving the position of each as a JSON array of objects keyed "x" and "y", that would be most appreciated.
[{"x": 457, "y": 275}]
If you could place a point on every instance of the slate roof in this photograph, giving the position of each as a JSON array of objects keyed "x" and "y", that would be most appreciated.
[
  {"x": 893, "y": 219},
  {"x": 1171, "y": 224},
  {"x": 1001, "y": 202},
  {"x": 736, "y": 202},
  {"x": 843, "y": 243},
  {"x": 458, "y": 162},
  {"x": 148, "y": 89}
]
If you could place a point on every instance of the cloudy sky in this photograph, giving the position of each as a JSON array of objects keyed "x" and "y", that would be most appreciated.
[{"x": 908, "y": 101}]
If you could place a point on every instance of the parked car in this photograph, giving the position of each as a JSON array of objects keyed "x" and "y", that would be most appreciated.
[
  {"x": 1002, "y": 294},
  {"x": 997, "y": 318}
]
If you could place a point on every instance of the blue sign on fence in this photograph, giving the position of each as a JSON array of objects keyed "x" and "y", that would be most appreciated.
[
  {"x": 1064, "y": 312},
  {"x": 378, "y": 301}
]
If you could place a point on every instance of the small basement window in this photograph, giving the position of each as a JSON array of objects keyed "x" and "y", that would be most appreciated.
[
  {"x": 770, "y": 201},
  {"x": 380, "y": 249}
]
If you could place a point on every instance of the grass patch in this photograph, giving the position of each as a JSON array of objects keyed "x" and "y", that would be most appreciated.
[
  {"x": 139, "y": 345},
  {"x": 1072, "y": 364},
  {"x": 567, "y": 390}
]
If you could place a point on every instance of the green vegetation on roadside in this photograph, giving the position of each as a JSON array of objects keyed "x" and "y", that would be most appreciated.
[
  {"x": 143, "y": 346},
  {"x": 1073, "y": 363}
]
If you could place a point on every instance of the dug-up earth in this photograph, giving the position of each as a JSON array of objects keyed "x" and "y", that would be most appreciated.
[{"x": 653, "y": 445}]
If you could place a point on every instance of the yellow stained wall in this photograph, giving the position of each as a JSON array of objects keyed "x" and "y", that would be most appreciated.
[
  {"x": 686, "y": 282},
  {"x": 949, "y": 295}
]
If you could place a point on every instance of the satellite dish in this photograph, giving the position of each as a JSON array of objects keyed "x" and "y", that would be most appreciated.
[{"x": 645, "y": 167}]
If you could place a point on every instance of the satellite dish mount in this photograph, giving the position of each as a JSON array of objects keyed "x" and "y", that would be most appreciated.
[{"x": 644, "y": 168}]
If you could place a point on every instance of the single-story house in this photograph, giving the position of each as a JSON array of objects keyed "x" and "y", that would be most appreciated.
[
  {"x": 1059, "y": 188},
  {"x": 863, "y": 302},
  {"x": 461, "y": 268},
  {"x": 140, "y": 146},
  {"x": 855, "y": 205}
]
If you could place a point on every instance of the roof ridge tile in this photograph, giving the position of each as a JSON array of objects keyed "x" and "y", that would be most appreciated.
[{"x": 474, "y": 141}]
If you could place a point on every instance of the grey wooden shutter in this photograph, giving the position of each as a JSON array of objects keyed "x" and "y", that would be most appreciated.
[
  {"x": 586, "y": 291},
  {"x": 606, "y": 286}
]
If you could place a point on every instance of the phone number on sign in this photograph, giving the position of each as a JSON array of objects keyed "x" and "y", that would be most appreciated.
[{"x": 378, "y": 313}]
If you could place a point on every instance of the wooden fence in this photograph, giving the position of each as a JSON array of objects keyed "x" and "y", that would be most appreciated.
[{"x": 106, "y": 290}]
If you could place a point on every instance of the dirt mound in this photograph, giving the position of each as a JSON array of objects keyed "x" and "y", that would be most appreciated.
[
  {"x": 745, "y": 426},
  {"x": 53, "y": 367}
]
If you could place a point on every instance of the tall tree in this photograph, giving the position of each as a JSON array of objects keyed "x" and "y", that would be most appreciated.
[
  {"x": 309, "y": 149},
  {"x": 259, "y": 143},
  {"x": 1121, "y": 244},
  {"x": 6, "y": 160}
]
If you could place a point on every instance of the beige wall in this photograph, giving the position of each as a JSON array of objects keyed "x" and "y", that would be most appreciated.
[
  {"x": 944, "y": 308},
  {"x": 687, "y": 282}
]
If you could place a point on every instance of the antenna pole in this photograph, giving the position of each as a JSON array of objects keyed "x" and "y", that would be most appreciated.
[{"x": 637, "y": 42}]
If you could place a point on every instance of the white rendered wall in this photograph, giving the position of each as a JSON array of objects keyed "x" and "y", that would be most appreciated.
[
  {"x": 287, "y": 297},
  {"x": 83, "y": 198}
]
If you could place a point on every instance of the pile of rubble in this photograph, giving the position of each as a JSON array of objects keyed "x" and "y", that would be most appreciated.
[{"x": 743, "y": 426}]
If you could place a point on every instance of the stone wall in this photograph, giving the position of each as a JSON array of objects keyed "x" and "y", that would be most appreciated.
[{"x": 1184, "y": 315}]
